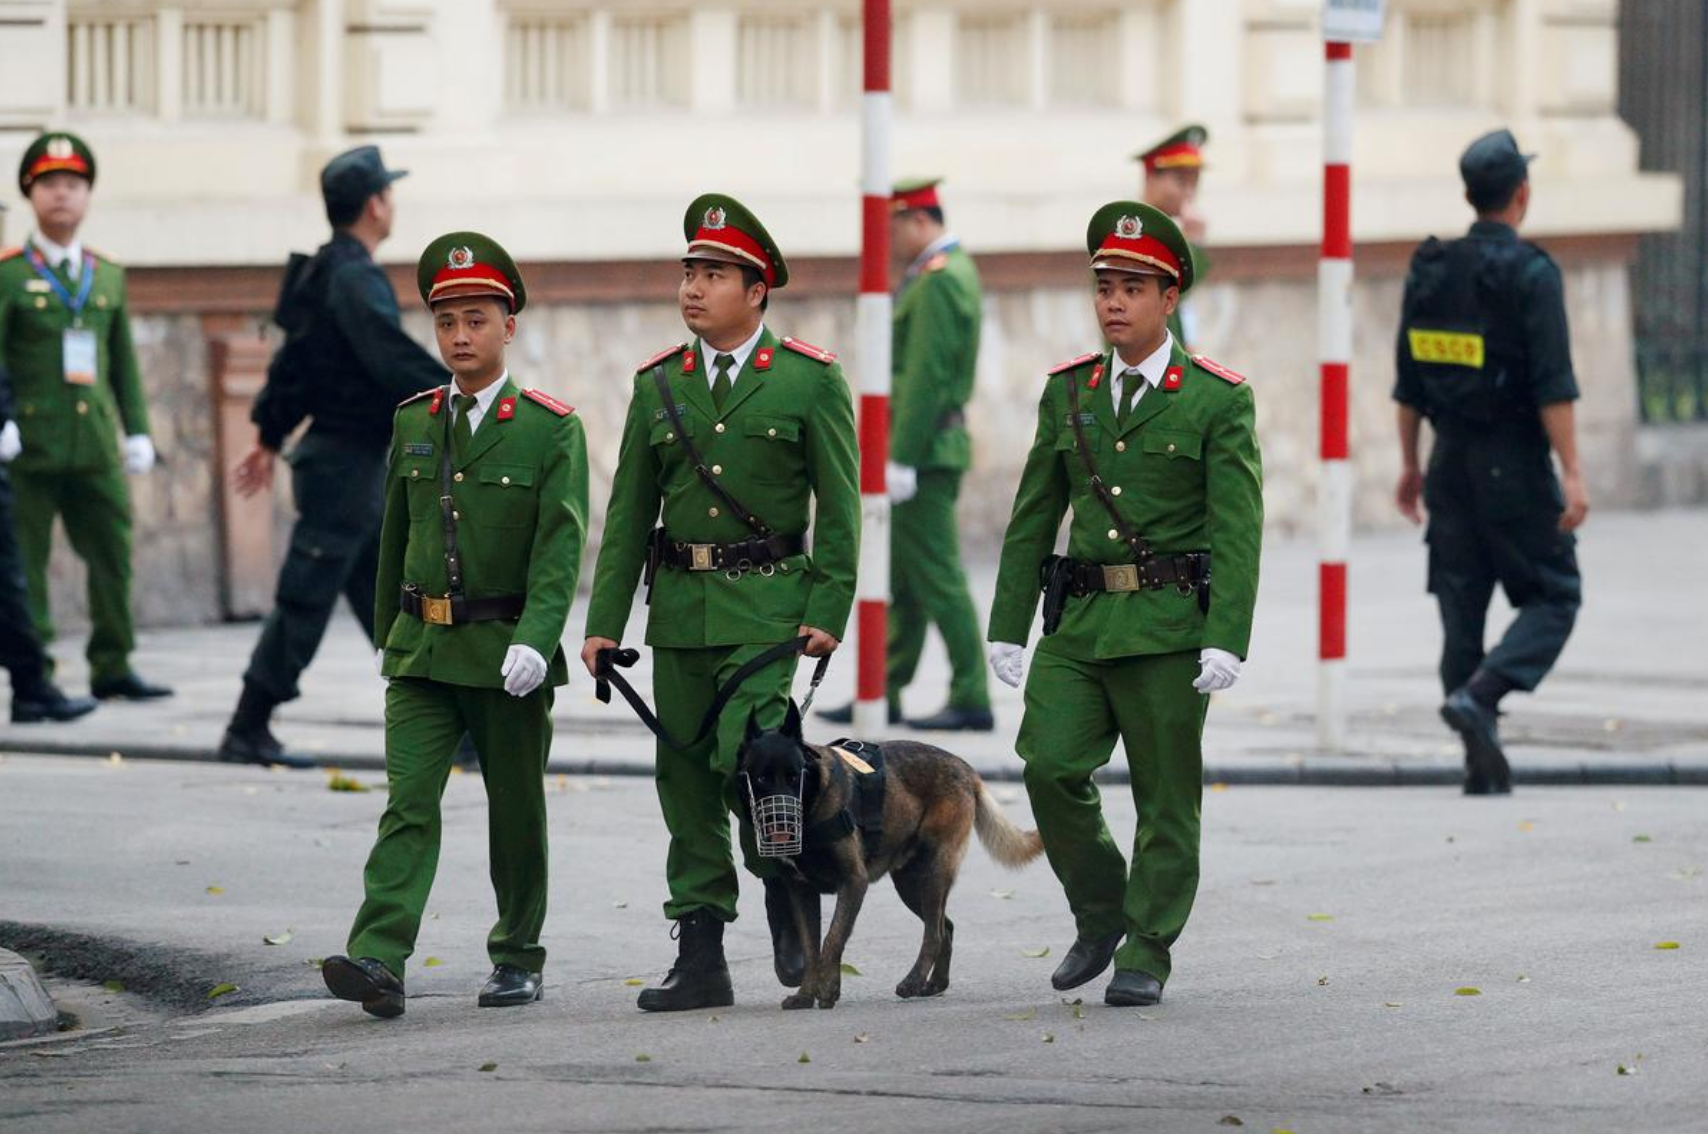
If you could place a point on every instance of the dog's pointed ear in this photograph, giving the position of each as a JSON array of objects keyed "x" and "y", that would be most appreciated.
[
  {"x": 753, "y": 729},
  {"x": 792, "y": 721}
]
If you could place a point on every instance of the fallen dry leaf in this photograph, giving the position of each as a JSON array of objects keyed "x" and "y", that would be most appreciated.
[
  {"x": 1319, "y": 917},
  {"x": 1467, "y": 991},
  {"x": 861, "y": 1038},
  {"x": 643, "y": 1057},
  {"x": 1028, "y": 1014},
  {"x": 219, "y": 990},
  {"x": 634, "y": 982},
  {"x": 805, "y": 1058},
  {"x": 850, "y": 970},
  {"x": 489, "y": 1066},
  {"x": 1666, "y": 944},
  {"x": 431, "y": 963},
  {"x": 1049, "y": 1037},
  {"x": 216, "y": 891},
  {"x": 1004, "y": 894},
  {"x": 1040, "y": 952},
  {"x": 277, "y": 938}
]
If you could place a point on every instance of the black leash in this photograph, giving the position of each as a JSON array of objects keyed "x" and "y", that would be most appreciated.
[{"x": 608, "y": 661}]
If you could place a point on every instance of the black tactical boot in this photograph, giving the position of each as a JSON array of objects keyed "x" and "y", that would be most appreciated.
[
  {"x": 700, "y": 977},
  {"x": 788, "y": 953},
  {"x": 247, "y": 738},
  {"x": 42, "y": 700}
]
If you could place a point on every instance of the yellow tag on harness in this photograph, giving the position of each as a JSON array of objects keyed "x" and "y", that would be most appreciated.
[
  {"x": 1452, "y": 348},
  {"x": 853, "y": 761}
]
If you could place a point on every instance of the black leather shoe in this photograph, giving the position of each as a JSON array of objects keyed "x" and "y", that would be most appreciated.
[
  {"x": 366, "y": 981},
  {"x": 258, "y": 746},
  {"x": 509, "y": 986},
  {"x": 1487, "y": 772},
  {"x": 845, "y": 714},
  {"x": 700, "y": 976},
  {"x": 1132, "y": 990},
  {"x": 130, "y": 687},
  {"x": 1085, "y": 961},
  {"x": 955, "y": 720},
  {"x": 788, "y": 954},
  {"x": 48, "y": 703}
]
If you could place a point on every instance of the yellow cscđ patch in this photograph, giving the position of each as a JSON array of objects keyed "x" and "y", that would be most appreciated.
[{"x": 1453, "y": 348}]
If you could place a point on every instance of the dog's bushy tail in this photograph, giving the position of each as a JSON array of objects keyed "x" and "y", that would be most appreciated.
[{"x": 1008, "y": 844}]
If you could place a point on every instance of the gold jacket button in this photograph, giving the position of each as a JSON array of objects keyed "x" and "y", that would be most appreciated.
[
  {"x": 1113, "y": 534},
  {"x": 718, "y": 428},
  {"x": 456, "y": 515},
  {"x": 717, "y": 470},
  {"x": 414, "y": 474},
  {"x": 1116, "y": 491},
  {"x": 670, "y": 436},
  {"x": 770, "y": 433},
  {"x": 712, "y": 512},
  {"x": 82, "y": 407},
  {"x": 1120, "y": 446},
  {"x": 41, "y": 303},
  {"x": 1171, "y": 446},
  {"x": 458, "y": 478},
  {"x": 503, "y": 480}
]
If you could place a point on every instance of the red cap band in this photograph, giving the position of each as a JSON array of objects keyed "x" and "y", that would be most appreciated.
[
  {"x": 44, "y": 164},
  {"x": 730, "y": 239},
  {"x": 924, "y": 197},
  {"x": 1144, "y": 249},
  {"x": 1181, "y": 155},
  {"x": 477, "y": 279}
]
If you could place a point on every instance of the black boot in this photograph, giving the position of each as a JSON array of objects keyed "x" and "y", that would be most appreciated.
[
  {"x": 1486, "y": 769},
  {"x": 788, "y": 953},
  {"x": 700, "y": 977},
  {"x": 247, "y": 738},
  {"x": 42, "y": 700}
]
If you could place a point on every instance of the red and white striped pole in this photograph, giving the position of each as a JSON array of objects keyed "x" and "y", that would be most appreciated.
[
  {"x": 873, "y": 329},
  {"x": 1334, "y": 338}
]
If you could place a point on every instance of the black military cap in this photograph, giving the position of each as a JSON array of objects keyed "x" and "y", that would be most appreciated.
[
  {"x": 354, "y": 176},
  {"x": 1493, "y": 165}
]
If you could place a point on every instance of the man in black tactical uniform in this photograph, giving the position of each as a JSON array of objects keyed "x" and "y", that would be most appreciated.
[
  {"x": 346, "y": 364},
  {"x": 34, "y": 696},
  {"x": 1483, "y": 353}
]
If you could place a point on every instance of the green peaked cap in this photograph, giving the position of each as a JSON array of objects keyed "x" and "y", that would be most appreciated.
[
  {"x": 1177, "y": 150},
  {"x": 719, "y": 227},
  {"x": 461, "y": 264},
  {"x": 1130, "y": 236},
  {"x": 55, "y": 152}
]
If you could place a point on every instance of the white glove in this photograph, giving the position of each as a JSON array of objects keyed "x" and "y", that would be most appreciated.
[
  {"x": 1217, "y": 670},
  {"x": 139, "y": 454},
  {"x": 1008, "y": 662},
  {"x": 10, "y": 443},
  {"x": 903, "y": 482},
  {"x": 523, "y": 670}
]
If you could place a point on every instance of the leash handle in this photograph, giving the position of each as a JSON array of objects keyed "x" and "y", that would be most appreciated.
[{"x": 608, "y": 661}]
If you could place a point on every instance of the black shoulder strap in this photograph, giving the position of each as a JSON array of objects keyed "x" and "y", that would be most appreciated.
[
  {"x": 453, "y": 562},
  {"x": 736, "y": 507},
  {"x": 1135, "y": 542}
]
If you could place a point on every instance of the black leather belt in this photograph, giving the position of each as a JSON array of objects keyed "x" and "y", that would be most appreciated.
[
  {"x": 1186, "y": 572},
  {"x": 741, "y": 556},
  {"x": 454, "y": 610}
]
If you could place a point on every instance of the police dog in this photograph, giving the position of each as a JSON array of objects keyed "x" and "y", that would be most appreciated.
[{"x": 932, "y": 802}]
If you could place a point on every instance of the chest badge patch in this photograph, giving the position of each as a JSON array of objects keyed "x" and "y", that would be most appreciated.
[{"x": 418, "y": 448}]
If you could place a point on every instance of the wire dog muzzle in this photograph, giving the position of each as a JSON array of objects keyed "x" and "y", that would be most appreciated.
[{"x": 778, "y": 822}]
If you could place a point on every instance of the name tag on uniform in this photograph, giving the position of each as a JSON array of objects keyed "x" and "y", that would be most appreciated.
[
  {"x": 1084, "y": 419},
  {"x": 1452, "y": 348},
  {"x": 79, "y": 356},
  {"x": 660, "y": 415},
  {"x": 38, "y": 287},
  {"x": 418, "y": 448}
]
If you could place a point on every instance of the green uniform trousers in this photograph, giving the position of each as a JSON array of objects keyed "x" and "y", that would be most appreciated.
[
  {"x": 94, "y": 505},
  {"x": 425, "y": 720},
  {"x": 928, "y": 587},
  {"x": 697, "y": 787},
  {"x": 1075, "y": 711}
]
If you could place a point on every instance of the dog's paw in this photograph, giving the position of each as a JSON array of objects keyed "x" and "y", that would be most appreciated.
[
  {"x": 936, "y": 987},
  {"x": 827, "y": 1001},
  {"x": 798, "y": 1000},
  {"x": 911, "y": 987}
]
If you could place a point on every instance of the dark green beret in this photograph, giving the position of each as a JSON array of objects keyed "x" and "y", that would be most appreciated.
[
  {"x": 462, "y": 264},
  {"x": 1182, "y": 149},
  {"x": 719, "y": 227}
]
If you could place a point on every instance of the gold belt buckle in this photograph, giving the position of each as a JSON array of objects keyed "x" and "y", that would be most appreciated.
[
  {"x": 435, "y": 611},
  {"x": 700, "y": 557},
  {"x": 1121, "y": 577}
]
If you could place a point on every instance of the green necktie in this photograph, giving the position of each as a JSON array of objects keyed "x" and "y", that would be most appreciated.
[
  {"x": 462, "y": 433},
  {"x": 64, "y": 270},
  {"x": 721, "y": 384},
  {"x": 1131, "y": 380}
]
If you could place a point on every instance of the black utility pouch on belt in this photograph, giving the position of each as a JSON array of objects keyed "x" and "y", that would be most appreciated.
[
  {"x": 1055, "y": 579},
  {"x": 654, "y": 558}
]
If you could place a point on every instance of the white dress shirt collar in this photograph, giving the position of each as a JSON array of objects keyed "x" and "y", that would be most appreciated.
[
  {"x": 56, "y": 254},
  {"x": 1151, "y": 369},
  {"x": 741, "y": 354},
  {"x": 482, "y": 401},
  {"x": 942, "y": 243}
]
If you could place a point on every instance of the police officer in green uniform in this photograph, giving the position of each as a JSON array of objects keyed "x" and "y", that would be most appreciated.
[
  {"x": 1153, "y": 451},
  {"x": 773, "y": 423},
  {"x": 934, "y": 353},
  {"x": 65, "y": 342},
  {"x": 485, "y": 519},
  {"x": 34, "y": 696},
  {"x": 1484, "y": 355},
  {"x": 345, "y": 365},
  {"x": 1173, "y": 168}
]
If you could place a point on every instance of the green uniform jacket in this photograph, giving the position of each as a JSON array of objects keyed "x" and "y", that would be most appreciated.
[
  {"x": 784, "y": 440},
  {"x": 521, "y": 498},
  {"x": 934, "y": 350},
  {"x": 68, "y": 428},
  {"x": 1187, "y": 477}
]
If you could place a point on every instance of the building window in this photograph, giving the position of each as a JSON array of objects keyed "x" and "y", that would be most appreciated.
[
  {"x": 1084, "y": 64},
  {"x": 110, "y": 64},
  {"x": 648, "y": 61},
  {"x": 1434, "y": 55},
  {"x": 777, "y": 60},
  {"x": 546, "y": 63},
  {"x": 993, "y": 65},
  {"x": 224, "y": 68}
]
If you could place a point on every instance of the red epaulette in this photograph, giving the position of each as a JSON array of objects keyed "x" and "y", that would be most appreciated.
[
  {"x": 668, "y": 352},
  {"x": 9, "y": 253},
  {"x": 1074, "y": 363},
  {"x": 1219, "y": 370},
  {"x": 413, "y": 398},
  {"x": 817, "y": 354},
  {"x": 937, "y": 263},
  {"x": 551, "y": 403},
  {"x": 100, "y": 257}
]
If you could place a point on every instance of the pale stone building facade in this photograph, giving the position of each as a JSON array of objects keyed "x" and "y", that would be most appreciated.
[{"x": 576, "y": 130}]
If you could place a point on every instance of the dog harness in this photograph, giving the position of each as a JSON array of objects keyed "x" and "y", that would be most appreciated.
[{"x": 859, "y": 764}]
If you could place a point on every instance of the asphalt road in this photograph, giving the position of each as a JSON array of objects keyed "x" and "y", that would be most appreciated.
[{"x": 1316, "y": 989}]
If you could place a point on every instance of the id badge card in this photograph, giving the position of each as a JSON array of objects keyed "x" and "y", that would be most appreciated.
[{"x": 79, "y": 356}]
